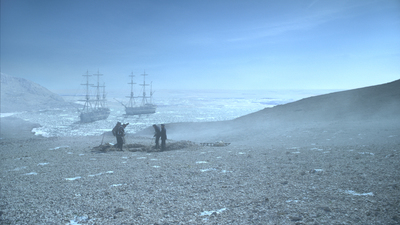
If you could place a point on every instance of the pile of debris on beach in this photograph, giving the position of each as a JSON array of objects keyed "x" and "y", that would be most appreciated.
[{"x": 144, "y": 148}]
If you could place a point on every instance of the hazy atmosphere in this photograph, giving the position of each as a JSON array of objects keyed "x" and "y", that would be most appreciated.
[
  {"x": 260, "y": 112},
  {"x": 307, "y": 44}
]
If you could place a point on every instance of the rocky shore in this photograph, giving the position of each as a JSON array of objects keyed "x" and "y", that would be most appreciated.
[{"x": 292, "y": 180}]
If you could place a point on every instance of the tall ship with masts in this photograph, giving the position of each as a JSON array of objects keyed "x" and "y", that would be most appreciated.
[
  {"x": 145, "y": 105},
  {"x": 94, "y": 109}
]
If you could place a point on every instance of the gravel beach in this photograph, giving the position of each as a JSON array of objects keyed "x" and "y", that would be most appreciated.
[{"x": 322, "y": 175}]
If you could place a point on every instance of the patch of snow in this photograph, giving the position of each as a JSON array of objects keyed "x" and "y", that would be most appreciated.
[
  {"x": 66, "y": 146},
  {"x": 31, "y": 173},
  {"x": 73, "y": 178},
  {"x": 206, "y": 170},
  {"x": 209, "y": 213},
  {"x": 358, "y": 194}
]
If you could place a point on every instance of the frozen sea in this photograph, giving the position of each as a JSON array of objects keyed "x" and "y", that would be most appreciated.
[{"x": 172, "y": 106}]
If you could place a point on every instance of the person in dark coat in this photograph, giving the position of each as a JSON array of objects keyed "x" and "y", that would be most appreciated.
[
  {"x": 119, "y": 132},
  {"x": 157, "y": 135},
  {"x": 163, "y": 137}
]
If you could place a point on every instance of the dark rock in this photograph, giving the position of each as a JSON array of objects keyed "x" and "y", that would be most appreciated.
[
  {"x": 325, "y": 208},
  {"x": 295, "y": 218},
  {"x": 118, "y": 210}
]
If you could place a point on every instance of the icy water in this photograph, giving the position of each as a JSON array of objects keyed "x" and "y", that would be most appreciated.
[{"x": 172, "y": 106}]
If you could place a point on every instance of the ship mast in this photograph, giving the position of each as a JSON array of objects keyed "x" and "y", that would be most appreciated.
[
  {"x": 131, "y": 98},
  {"x": 144, "y": 101},
  {"x": 87, "y": 98},
  {"x": 98, "y": 101}
]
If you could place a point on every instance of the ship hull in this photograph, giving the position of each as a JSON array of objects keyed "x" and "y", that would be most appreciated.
[
  {"x": 97, "y": 114},
  {"x": 139, "y": 110}
]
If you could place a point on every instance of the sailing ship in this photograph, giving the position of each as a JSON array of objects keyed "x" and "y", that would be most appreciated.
[
  {"x": 96, "y": 109},
  {"x": 146, "y": 105}
]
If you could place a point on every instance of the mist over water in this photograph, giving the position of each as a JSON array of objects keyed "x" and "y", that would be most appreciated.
[{"x": 172, "y": 107}]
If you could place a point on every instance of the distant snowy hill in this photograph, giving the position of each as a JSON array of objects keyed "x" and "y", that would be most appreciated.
[{"x": 18, "y": 94}]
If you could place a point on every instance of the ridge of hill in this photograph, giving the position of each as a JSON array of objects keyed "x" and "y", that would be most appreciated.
[
  {"x": 367, "y": 103},
  {"x": 374, "y": 108},
  {"x": 19, "y": 94}
]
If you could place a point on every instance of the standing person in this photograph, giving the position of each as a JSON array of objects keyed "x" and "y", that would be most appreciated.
[
  {"x": 114, "y": 130},
  {"x": 157, "y": 135},
  {"x": 163, "y": 137},
  {"x": 119, "y": 132}
]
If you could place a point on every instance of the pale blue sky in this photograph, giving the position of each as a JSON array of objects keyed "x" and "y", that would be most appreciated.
[{"x": 218, "y": 44}]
